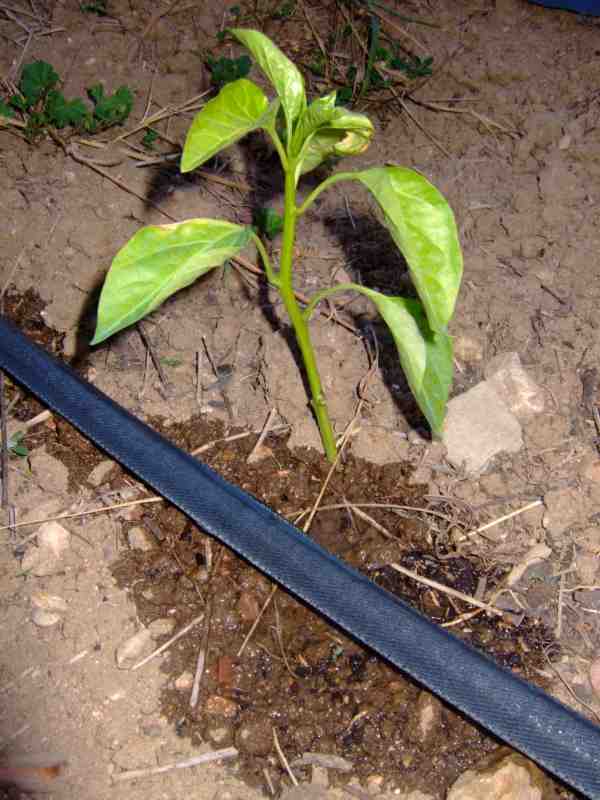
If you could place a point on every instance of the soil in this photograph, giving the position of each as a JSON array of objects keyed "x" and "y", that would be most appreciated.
[{"x": 508, "y": 127}]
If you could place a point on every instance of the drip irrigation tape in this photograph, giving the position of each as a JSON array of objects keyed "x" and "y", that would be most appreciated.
[{"x": 524, "y": 716}]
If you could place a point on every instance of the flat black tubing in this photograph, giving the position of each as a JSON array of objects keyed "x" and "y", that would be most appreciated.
[{"x": 527, "y": 718}]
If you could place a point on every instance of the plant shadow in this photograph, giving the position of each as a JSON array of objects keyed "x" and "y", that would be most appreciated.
[{"x": 374, "y": 261}]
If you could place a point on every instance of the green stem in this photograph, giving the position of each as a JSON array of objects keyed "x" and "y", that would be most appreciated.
[
  {"x": 323, "y": 293},
  {"x": 339, "y": 176},
  {"x": 296, "y": 316},
  {"x": 269, "y": 271}
]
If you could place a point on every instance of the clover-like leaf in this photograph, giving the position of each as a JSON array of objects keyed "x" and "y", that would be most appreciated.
[
  {"x": 422, "y": 224},
  {"x": 283, "y": 73},
  {"x": 157, "y": 262},
  {"x": 425, "y": 356},
  {"x": 239, "y": 108}
]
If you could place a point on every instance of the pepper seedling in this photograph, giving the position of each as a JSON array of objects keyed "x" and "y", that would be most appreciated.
[{"x": 161, "y": 259}]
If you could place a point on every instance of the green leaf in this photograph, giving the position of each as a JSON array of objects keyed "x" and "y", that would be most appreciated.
[
  {"x": 326, "y": 130},
  {"x": 61, "y": 112},
  {"x": 425, "y": 356},
  {"x": 239, "y": 108},
  {"x": 422, "y": 224},
  {"x": 158, "y": 261},
  {"x": 268, "y": 222},
  {"x": 37, "y": 78},
  {"x": 111, "y": 109},
  {"x": 6, "y": 110},
  {"x": 278, "y": 68},
  {"x": 226, "y": 70}
]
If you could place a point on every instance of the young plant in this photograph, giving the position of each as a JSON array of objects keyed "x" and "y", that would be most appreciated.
[
  {"x": 43, "y": 106},
  {"x": 160, "y": 259}
]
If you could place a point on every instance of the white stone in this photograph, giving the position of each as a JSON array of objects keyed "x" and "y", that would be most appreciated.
[
  {"x": 508, "y": 776},
  {"x": 134, "y": 648},
  {"x": 479, "y": 425},
  {"x": 520, "y": 393},
  {"x": 100, "y": 472}
]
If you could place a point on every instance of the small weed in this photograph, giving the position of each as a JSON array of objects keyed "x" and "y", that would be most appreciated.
[
  {"x": 43, "y": 106},
  {"x": 95, "y": 7},
  {"x": 285, "y": 10},
  {"x": 149, "y": 138},
  {"x": 226, "y": 70},
  {"x": 16, "y": 446},
  {"x": 414, "y": 68}
]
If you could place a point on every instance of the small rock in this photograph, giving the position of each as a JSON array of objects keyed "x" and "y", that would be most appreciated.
[
  {"x": 45, "y": 619},
  {"x": 184, "y": 682},
  {"x": 45, "y": 559},
  {"x": 425, "y": 719},
  {"x": 134, "y": 648},
  {"x": 53, "y": 536},
  {"x": 522, "y": 395},
  {"x": 374, "y": 784},
  {"x": 163, "y": 626},
  {"x": 255, "y": 737},
  {"x": 50, "y": 473},
  {"x": 587, "y": 567},
  {"x": 49, "y": 602},
  {"x": 468, "y": 349},
  {"x": 139, "y": 538},
  {"x": 505, "y": 775},
  {"x": 248, "y": 607},
  {"x": 100, "y": 473},
  {"x": 221, "y": 706},
  {"x": 479, "y": 425}
]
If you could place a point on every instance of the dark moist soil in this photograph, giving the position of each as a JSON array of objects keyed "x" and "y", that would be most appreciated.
[
  {"x": 317, "y": 688},
  {"x": 321, "y": 691}
]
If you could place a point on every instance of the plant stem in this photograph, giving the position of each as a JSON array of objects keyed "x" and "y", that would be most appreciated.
[
  {"x": 339, "y": 176},
  {"x": 295, "y": 314}
]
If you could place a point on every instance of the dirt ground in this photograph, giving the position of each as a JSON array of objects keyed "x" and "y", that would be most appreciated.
[{"x": 508, "y": 128}]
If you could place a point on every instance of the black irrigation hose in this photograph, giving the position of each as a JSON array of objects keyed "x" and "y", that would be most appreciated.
[{"x": 524, "y": 716}]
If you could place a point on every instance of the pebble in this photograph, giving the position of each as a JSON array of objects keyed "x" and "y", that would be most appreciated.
[
  {"x": 49, "y": 602},
  {"x": 521, "y": 394},
  {"x": 221, "y": 706},
  {"x": 130, "y": 651},
  {"x": 505, "y": 775},
  {"x": 184, "y": 682},
  {"x": 139, "y": 538},
  {"x": 52, "y": 543},
  {"x": 425, "y": 719},
  {"x": 100, "y": 473},
  {"x": 45, "y": 619}
]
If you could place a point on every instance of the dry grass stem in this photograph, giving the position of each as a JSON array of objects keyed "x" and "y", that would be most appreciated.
[
  {"x": 195, "y": 761},
  {"x": 504, "y": 518},
  {"x": 283, "y": 759},
  {"x": 196, "y": 621},
  {"x": 446, "y": 589},
  {"x": 257, "y": 453}
]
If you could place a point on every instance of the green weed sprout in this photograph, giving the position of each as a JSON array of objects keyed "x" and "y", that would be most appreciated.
[{"x": 160, "y": 259}]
